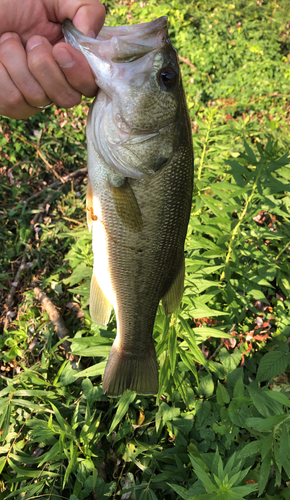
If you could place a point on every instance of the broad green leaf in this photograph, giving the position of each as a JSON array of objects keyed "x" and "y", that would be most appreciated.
[
  {"x": 90, "y": 392},
  {"x": 222, "y": 395},
  {"x": 266, "y": 424},
  {"x": 239, "y": 388},
  {"x": 284, "y": 448},
  {"x": 206, "y": 386},
  {"x": 259, "y": 401},
  {"x": 278, "y": 396},
  {"x": 272, "y": 364},
  {"x": 251, "y": 449},
  {"x": 244, "y": 490},
  {"x": 230, "y": 361}
]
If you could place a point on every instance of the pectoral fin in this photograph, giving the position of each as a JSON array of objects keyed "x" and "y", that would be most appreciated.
[
  {"x": 127, "y": 206},
  {"x": 100, "y": 307},
  {"x": 173, "y": 296},
  {"x": 89, "y": 205}
]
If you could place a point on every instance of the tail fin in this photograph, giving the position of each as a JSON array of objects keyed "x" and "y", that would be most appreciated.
[{"x": 130, "y": 371}]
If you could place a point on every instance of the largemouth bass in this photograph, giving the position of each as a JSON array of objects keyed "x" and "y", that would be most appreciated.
[{"x": 140, "y": 168}]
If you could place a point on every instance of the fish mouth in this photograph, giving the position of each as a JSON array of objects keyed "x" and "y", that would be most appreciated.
[{"x": 120, "y": 43}]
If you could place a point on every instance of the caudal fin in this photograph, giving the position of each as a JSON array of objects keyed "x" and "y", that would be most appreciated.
[{"x": 130, "y": 371}]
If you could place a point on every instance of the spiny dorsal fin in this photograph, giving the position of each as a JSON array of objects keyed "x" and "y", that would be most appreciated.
[
  {"x": 173, "y": 296},
  {"x": 127, "y": 206},
  {"x": 100, "y": 307}
]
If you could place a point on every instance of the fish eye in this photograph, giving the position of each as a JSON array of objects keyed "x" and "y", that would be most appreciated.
[{"x": 167, "y": 77}]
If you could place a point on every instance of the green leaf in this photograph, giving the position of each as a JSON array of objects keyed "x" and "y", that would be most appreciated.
[
  {"x": 206, "y": 386},
  {"x": 251, "y": 449},
  {"x": 250, "y": 153},
  {"x": 259, "y": 401},
  {"x": 202, "y": 475},
  {"x": 272, "y": 364},
  {"x": 73, "y": 452},
  {"x": 172, "y": 348},
  {"x": 182, "y": 492},
  {"x": 265, "y": 472},
  {"x": 266, "y": 424},
  {"x": 278, "y": 396},
  {"x": 190, "y": 339},
  {"x": 2, "y": 463},
  {"x": 92, "y": 371},
  {"x": 90, "y": 392},
  {"x": 222, "y": 395},
  {"x": 230, "y": 361},
  {"x": 122, "y": 408}
]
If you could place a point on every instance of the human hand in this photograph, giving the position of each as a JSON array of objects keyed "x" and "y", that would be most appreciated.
[{"x": 36, "y": 65}]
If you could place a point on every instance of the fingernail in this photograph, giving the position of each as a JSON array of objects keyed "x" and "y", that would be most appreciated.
[
  {"x": 5, "y": 36},
  {"x": 64, "y": 58},
  {"x": 33, "y": 42}
]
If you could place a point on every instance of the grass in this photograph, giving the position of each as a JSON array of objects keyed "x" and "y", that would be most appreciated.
[{"x": 219, "y": 427}]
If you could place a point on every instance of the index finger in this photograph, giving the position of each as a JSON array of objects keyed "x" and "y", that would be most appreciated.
[{"x": 88, "y": 16}]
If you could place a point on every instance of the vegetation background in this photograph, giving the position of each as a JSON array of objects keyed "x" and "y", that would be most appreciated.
[{"x": 219, "y": 427}]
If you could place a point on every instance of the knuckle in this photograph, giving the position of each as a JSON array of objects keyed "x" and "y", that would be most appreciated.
[
  {"x": 37, "y": 63},
  {"x": 8, "y": 47},
  {"x": 14, "y": 105},
  {"x": 34, "y": 94},
  {"x": 14, "y": 99},
  {"x": 67, "y": 99}
]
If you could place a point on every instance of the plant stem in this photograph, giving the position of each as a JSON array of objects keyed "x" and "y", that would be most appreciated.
[
  {"x": 210, "y": 120},
  {"x": 236, "y": 229},
  {"x": 282, "y": 251}
]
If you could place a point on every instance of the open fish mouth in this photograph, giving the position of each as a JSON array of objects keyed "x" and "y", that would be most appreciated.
[
  {"x": 115, "y": 46},
  {"x": 122, "y": 43}
]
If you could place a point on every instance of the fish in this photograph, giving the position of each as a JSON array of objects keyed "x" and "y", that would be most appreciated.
[{"x": 139, "y": 194}]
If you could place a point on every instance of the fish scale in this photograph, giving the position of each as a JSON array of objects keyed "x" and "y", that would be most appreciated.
[{"x": 139, "y": 193}]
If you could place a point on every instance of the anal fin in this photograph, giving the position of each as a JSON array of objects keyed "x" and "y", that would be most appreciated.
[
  {"x": 173, "y": 296},
  {"x": 100, "y": 307},
  {"x": 126, "y": 206}
]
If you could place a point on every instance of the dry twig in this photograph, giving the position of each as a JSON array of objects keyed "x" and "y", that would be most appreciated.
[
  {"x": 58, "y": 322},
  {"x": 38, "y": 152},
  {"x": 186, "y": 61},
  {"x": 66, "y": 178}
]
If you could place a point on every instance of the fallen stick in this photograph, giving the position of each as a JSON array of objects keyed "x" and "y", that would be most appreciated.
[
  {"x": 59, "y": 324},
  {"x": 186, "y": 61},
  {"x": 63, "y": 180}
]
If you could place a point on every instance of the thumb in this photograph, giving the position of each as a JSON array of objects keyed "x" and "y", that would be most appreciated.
[
  {"x": 88, "y": 16},
  {"x": 89, "y": 19}
]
